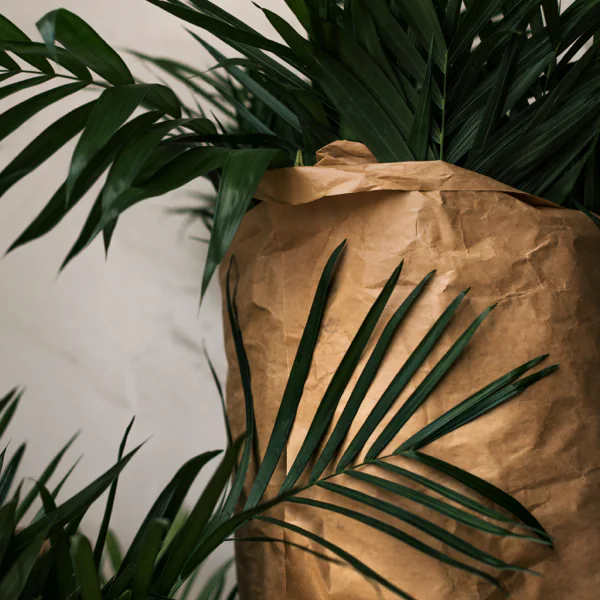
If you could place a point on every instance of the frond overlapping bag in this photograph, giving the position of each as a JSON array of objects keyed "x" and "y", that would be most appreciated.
[{"x": 537, "y": 261}]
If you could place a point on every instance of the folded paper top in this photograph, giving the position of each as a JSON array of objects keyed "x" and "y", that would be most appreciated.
[{"x": 349, "y": 168}]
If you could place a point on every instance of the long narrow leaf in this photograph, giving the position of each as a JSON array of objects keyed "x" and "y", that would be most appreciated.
[
  {"x": 423, "y": 391},
  {"x": 338, "y": 384},
  {"x": 296, "y": 381},
  {"x": 365, "y": 380},
  {"x": 399, "y": 383}
]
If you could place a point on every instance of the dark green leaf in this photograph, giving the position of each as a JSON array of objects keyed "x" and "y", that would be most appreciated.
[
  {"x": 43, "y": 479},
  {"x": 15, "y": 580},
  {"x": 11, "y": 33},
  {"x": 420, "y": 130},
  {"x": 44, "y": 146},
  {"x": 77, "y": 505},
  {"x": 83, "y": 560},
  {"x": 425, "y": 388},
  {"x": 57, "y": 208},
  {"x": 246, "y": 381},
  {"x": 296, "y": 381},
  {"x": 398, "y": 384},
  {"x": 185, "y": 541},
  {"x": 110, "y": 501},
  {"x": 345, "y": 556},
  {"x": 337, "y": 386},
  {"x": 110, "y": 111},
  {"x": 242, "y": 173},
  {"x": 433, "y": 430},
  {"x": 215, "y": 377},
  {"x": 365, "y": 380},
  {"x": 486, "y": 489},
  {"x": 84, "y": 44},
  {"x": 144, "y": 568},
  {"x": 423, "y": 20},
  {"x": 427, "y": 527},
  {"x": 8, "y": 407},
  {"x": 9, "y": 473},
  {"x": 443, "y": 508},
  {"x": 169, "y": 502},
  {"x": 7, "y": 526},
  {"x": 60, "y": 56},
  {"x": 18, "y": 86},
  {"x": 14, "y": 117}
]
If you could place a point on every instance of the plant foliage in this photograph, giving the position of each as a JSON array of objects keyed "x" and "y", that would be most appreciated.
[
  {"x": 47, "y": 558},
  {"x": 507, "y": 88}
]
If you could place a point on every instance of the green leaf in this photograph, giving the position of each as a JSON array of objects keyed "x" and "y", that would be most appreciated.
[
  {"x": 365, "y": 380},
  {"x": 57, "y": 208},
  {"x": 110, "y": 501},
  {"x": 337, "y": 386},
  {"x": 172, "y": 565},
  {"x": 486, "y": 489},
  {"x": 8, "y": 407},
  {"x": 113, "y": 549},
  {"x": 354, "y": 562},
  {"x": 224, "y": 31},
  {"x": 150, "y": 547},
  {"x": 7, "y": 526},
  {"x": 399, "y": 383},
  {"x": 422, "y": 18},
  {"x": 420, "y": 130},
  {"x": 60, "y": 56},
  {"x": 494, "y": 109},
  {"x": 10, "y": 472},
  {"x": 552, "y": 15},
  {"x": 10, "y": 32},
  {"x": 254, "y": 87},
  {"x": 83, "y": 560},
  {"x": 356, "y": 103},
  {"x": 77, "y": 505},
  {"x": 439, "y": 506},
  {"x": 245, "y": 376},
  {"x": 44, "y": 146},
  {"x": 169, "y": 502},
  {"x": 216, "y": 584},
  {"x": 478, "y": 14},
  {"x": 15, "y": 580},
  {"x": 427, "y": 527},
  {"x": 110, "y": 111},
  {"x": 444, "y": 424},
  {"x": 8, "y": 63},
  {"x": 215, "y": 377},
  {"x": 196, "y": 162},
  {"x": 397, "y": 40},
  {"x": 425, "y": 388},
  {"x": 18, "y": 86},
  {"x": 43, "y": 479},
  {"x": 242, "y": 173},
  {"x": 443, "y": 491},
  {"x": 16, "y": 116},
  {"x": 296, "y": 381},
  {"x": 84, "y": 44}
]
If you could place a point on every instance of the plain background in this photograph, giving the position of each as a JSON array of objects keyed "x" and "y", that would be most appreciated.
[{"x": 106, "y": 340}]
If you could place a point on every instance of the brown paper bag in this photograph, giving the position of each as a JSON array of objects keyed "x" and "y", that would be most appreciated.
[{"x": 538, "y": 261}]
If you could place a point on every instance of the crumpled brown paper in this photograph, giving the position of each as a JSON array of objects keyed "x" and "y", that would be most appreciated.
[{"x": 538, "y": 261}]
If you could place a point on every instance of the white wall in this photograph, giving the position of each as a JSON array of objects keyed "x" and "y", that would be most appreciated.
[{"x": 107, "y": 340}]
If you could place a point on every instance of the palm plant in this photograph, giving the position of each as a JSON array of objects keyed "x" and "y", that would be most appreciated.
[
  {"x": 158, "y": 564},
  {"x": 508, "y": 88}
]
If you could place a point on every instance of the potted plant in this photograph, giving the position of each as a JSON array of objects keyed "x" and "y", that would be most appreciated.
[{"x": 456, "y": 121}]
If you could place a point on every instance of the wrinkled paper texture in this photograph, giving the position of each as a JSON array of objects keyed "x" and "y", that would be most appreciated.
[{"x": 539, "y": 262}]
